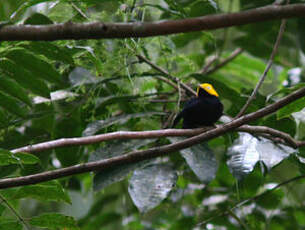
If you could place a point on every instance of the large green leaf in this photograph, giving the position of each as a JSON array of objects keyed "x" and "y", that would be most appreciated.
[
  {"x": 295, "y": 106},
  {"x": 34, "y": 64},
  {"x": 8, "y": 158},
  {"x": 48, "y": 191},
  {"x": 51, "y": 51},
  {"x": 12, "y": 105},
  {"x": 14, "y": 89},
  {"x": 38, "y": 19},
  {"x": 201, "y": 159},
  {"x": 148, "y": 191},
  {"x": 25, "y": 78}
]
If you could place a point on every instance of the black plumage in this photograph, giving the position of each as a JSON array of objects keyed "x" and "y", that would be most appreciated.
[{"x": 203, "y": 110}]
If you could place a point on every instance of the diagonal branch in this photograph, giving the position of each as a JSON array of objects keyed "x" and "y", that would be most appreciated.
[
  {"x": 99, "y": 30},
  {"x": 14, "y": 211},
  {"x": 159, "y": 69},
  {"x": 137, "y": 156},
  {"x": 270, "y": 61},
  {"x": 206, "y": 70},
  {"x": 241, "y": 203}
]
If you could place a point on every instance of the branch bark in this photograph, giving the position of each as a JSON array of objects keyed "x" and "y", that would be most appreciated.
[
  {"x": 99, "y": 30},
  {"x": 126, "y": 135},
  {"x": 137, "y": 156}
]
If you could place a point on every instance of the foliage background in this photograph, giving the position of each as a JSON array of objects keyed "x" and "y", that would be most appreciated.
[{"x": 50, "y": 90}]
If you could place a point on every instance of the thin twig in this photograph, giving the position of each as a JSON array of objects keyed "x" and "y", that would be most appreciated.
[
  {"x": 167, "y": 81},
  {"x": 234, "y": 54},
  {"x": 79, "y": 10},
  {"x": 208, "y": 65},
  {"x": 239, "y": 220},
  {"x": 241, "y": 203},
  {"x": 141, "y": 155},
  {"x": 14, "y": 212},
  {"x": 159, "y": 69},
  {"x": 270, "y": 61}
]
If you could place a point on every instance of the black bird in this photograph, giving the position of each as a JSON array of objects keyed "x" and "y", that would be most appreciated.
[{"x": 203, "y": 110}]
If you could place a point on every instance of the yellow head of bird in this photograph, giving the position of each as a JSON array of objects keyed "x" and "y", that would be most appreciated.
[{"x": 208, "y": 88}]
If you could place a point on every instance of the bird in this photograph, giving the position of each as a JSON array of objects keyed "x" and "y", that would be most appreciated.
[{"x": 203, "y": 110}]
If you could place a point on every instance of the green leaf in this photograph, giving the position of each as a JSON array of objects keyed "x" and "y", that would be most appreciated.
[
  {"x": 2, "y": 209},
  {"x": 51, "y": 51},
  {"x": 34, "y": 64},
  {"x": 38, "y": 19},
  {"x": 98, "y": 207},
  {"x": 115, "y": 148},
  {"x": 54, "y": 221},
  {"x": 68, "y": 127},
  {"x": 288, "y": 125},
  {"x": 96, "y": 126},
  {"x": 50, "y": 191},
  {"x": 300, "y": 216},
  {"x": 250, "y": 184},
  {"x": 6, "y": 224},
  {"x": 201, "y": 160},
  {"x": 12, "y": 105},
  {"x": 287, "y": 110},
  {"x": 201, "y": 8},
  {"x": 271, "y": 200},
  {"x": 3, "y": 118},
  {"x": 148, "y": 186},
  {"x": 8, "y": 158},
  {"x": 103, "y": 219},
  {"x": 181, "y": 40},
  {"x": 27, "y": 158},
  {"x": 12, "y": 88},
  {"x": 25, "y": 78}
]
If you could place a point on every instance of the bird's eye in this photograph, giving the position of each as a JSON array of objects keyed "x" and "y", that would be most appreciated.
[{"x": 208, "y": 87}]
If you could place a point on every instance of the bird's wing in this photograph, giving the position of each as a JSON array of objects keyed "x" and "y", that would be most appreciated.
[{"x": 187, "y": 108}]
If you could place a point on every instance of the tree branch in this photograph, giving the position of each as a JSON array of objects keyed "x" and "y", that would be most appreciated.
[
  {"x": 270, "y": 61},
  {"x": 233, "y": 55},
  {"x": 125, "y": 135},
  {"x": 137, "y": 156},
  {"x": 241, "y": 203},
  {"x": 99, "y": 30},
  {"x": 159, "y": 69},
  {"x": 14, "y": 211}
]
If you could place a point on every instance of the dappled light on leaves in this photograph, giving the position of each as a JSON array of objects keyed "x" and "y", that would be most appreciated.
[
  {"x": 247, "y": 150},
  {"x": 150, "y": 185}
]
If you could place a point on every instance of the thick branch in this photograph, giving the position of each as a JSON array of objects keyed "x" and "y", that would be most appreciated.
[
  {"x": 137, "y": 156},
  {"x": 100, "y": 30},
  {"x": 125, "y": 135}
]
